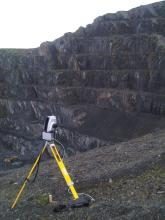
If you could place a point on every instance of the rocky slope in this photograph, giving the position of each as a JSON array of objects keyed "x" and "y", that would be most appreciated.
[
  {"x": 104, "y": 82},
  {"x": 126, "y": 181}
]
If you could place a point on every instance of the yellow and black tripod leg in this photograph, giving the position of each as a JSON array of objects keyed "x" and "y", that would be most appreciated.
[
  {"x": 28, "y": 176},
  {"x": 64, "y": 171}
]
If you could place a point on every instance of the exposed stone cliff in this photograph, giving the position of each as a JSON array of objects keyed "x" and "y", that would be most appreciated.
[{"x": 105, "y": 83}]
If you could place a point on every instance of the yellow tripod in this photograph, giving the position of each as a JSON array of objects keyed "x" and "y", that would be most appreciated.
[{"x": 61, "y": 166}]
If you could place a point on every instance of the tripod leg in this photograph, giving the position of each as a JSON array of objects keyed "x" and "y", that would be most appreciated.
[
  {"x": 28, "y": 176},
  {"x": 64, "y": 171}
]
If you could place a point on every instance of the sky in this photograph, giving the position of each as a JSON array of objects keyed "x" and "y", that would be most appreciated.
[{"x": 28, "y": 23}]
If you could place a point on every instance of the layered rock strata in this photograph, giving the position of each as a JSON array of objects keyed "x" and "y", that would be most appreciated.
[{"x": 105, "y": 83}]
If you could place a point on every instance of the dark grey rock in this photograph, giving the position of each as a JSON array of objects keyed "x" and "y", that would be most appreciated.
[{"x": 104, "y": 82}]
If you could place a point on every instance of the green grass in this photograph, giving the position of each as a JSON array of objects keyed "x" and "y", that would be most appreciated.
[
  {"x": 42, "y": 199},
  {"x": 3, "y": 111}
]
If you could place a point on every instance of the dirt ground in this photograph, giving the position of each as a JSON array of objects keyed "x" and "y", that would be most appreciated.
[{"x": 126, "y": 180}]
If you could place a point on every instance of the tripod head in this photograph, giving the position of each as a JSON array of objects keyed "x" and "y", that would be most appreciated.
[{"x": 50, "y": 128}]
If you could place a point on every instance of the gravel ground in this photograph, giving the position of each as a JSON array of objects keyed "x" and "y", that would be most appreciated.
[{"x": 127, "y": 181}]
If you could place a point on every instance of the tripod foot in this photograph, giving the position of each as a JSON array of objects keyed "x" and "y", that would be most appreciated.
[{"x": 82, "y": 201}]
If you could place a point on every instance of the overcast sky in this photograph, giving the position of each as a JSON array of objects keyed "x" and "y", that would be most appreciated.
[{"x": 27, "y": 23}]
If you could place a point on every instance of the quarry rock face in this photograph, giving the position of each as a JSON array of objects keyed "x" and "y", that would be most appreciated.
[{"x": 105, "y": 83}]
